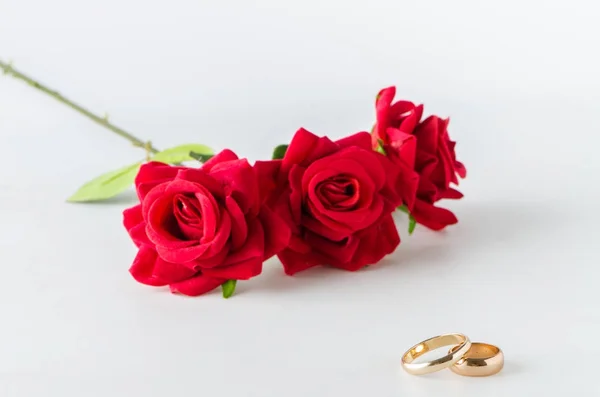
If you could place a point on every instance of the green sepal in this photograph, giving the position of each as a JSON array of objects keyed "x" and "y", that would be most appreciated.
[
  {"x": 228, "y": 288},
  {"x": 279, "y": 152},
  {"x": 403, "y": 208},
  {"x": 412, "y": 224}
]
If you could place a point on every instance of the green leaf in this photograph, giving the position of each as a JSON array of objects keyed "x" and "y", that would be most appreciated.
[
  {"x": 279, "y": 152},
  {"x": 228, "y": 288},
  {"x": 181, "y": 153},
  {"x": 107, "y": 185},
  {"x": 412, "y": 223},
  {"x": 203, "y": 158}
]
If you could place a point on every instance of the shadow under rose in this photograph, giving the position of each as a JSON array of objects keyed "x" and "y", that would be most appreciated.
[{"x": 481, "y": 225}]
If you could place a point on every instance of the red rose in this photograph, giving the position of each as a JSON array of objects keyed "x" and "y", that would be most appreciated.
[
  {"x": 425, "y": 147},
  {"x": 197, "y": 228},
  {"x": 393, "y": 131},
  {"x": 338, "y": 198},
  {"x": 437, "y": 167},
  {"x": 395, "y": 122}
]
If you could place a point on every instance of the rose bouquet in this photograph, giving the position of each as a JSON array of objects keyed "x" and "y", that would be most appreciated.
[{"x": 317, "y": 202}]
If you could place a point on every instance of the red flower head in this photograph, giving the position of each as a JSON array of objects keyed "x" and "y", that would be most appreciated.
[
  {"x": 437, "y": 166},
  {"x": 197, "y": 228},
  {"x": 424, "y": 146},
  {"x": 338, "y": 198},
  {"x": 395, "y": 122}
]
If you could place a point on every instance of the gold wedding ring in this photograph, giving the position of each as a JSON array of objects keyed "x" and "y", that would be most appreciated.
[
  {"x": 463, "y": 344},
  {"x": 482, "y": 359}
]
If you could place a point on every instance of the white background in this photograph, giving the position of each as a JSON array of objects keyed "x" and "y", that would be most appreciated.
[{"x": 520, "y": 81}]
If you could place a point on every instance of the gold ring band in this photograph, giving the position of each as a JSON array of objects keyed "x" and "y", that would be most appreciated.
[
  {"x": 481, "y": 359},
  {"x": 463, "y": 344}
]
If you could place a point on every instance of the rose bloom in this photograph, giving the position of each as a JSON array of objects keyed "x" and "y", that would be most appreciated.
[
  {"x": 197, "y": 228},
  {"x": 338, "y": 198},
  {"x": 426, "y": 147}
]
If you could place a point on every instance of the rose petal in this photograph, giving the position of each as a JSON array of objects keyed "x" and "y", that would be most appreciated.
[
  {"x": 427, "y": 135},
  {"x": 171, "y": 272},
  {"x": 143, "y": 267},
  {"x": 139, "y": 236},
  {"x": 350, "y": 161},
  {"x": 196, "y": 179},
  {"x": 404, "y": 116},
  {"x": 132, "y": 216},
  {"x": 337, "y": 254},
  {"x": 419, "y": 112},
  {"x": 203, "y": 263},
  {"x": 188, "y": 214},
  {"x": 374, "y": 243},
  {"x": 244, "y": 270},
  {"x": 346, "y": 222},
  {"x": 385, "y": 96},
  {"x": 407, "y": 185},
  {"x": 152, "y": 174},
  {"x": 425, "y": 165},
  {"x": 157, "y": 208},
  {"x": 282, "y": 208},
  {"x": 401, "y": 109},
  {"x": 162, "y": 228},
  {"x": 135, "y": 225},
  {"x": 156, "y": 193},
  {"x": 395, "y": 172},
  {"x": 338, "y": 168},
  {"x": 434, "y": 218},
  {"x": 254, "y": 246},
  {"x": 305, "y": 148},
  {"x": 277, "y": 232},
  {"x": 296, "y": 195},
  {"x": 321, "y": 225},
  {"x": 370, "y": 204},
  {"x": 222, "y": 156},
  {"x": 211, "y": 215},
  {"x": 266, "y": 174},
  {"x": 339, "y": 193},
  {"x": 239, "y": 228},
  {"x": 460, "y": 169},
  {"x": 360, "y": 139},
  {"x": 211, "y": 253},
  {"x": 450, "y": 194},
  {"x": 245, "y": 263},
  {"x": 445, "y": 156},
  {"x": 197, "y": 285},
  {"x": 240, "y": 181},
  {"x": 294, "y": 262},
  {"x": 403, "y": 146},
  {"x": 297, "y": 244},
  {"x": 427, "y": 191},
  {"x": 382, "y": 108},
  {"x": 222, "y": 235}
]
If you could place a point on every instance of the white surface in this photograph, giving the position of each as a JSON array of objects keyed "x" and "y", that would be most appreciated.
[{"x": 520, "y": 81}]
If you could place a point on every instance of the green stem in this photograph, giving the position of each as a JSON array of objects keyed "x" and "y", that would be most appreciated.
[{"x": 103, "y": 121}]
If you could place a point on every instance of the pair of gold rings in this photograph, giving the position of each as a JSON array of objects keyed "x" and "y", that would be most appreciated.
[{"x": 464, "y": 358}]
